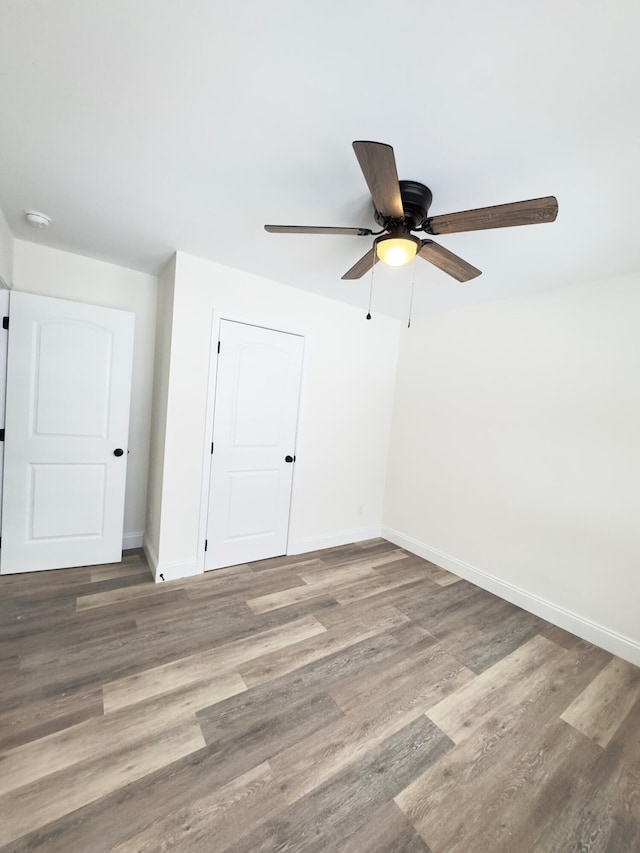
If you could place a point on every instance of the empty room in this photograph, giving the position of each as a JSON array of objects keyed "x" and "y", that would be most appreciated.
[{"x": 319, "y": 418}]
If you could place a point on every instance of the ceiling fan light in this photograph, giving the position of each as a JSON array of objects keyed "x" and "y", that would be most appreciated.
[{"x": 395, "y": 251}]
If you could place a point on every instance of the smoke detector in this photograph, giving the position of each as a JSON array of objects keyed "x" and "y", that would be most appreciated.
[{"x": 36, "y": 219}]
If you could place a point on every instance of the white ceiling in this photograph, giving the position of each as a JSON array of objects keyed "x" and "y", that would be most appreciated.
[{"x": 141, "y": 127}]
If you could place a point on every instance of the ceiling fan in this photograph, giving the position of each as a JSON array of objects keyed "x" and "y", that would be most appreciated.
[{"x": 401, "y": 207}]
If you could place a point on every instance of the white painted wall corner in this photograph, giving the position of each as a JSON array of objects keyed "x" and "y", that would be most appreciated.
[
  {"x": 150, "y": 556},
  {"x": 169, "y": 571}
]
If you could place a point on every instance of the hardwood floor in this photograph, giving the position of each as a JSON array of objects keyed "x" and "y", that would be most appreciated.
[{"x": 357, "y": 699}]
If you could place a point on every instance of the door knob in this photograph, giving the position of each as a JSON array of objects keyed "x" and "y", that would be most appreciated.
[
  {"x": 289, "y": 458},
  {"x": 118, "y": 451}
]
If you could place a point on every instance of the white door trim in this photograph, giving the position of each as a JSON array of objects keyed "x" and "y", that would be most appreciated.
[{"x": 216, "y": 319}]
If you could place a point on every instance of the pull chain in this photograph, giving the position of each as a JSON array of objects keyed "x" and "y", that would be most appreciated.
[
  {"x": 371, "y": 287},
  {"x": 413, "y": 284}
]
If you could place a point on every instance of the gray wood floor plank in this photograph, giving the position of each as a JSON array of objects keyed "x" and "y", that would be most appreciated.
[
  {"x": 369, "y": 720},
  {"x": 603, "y": 814},
  {"x": 603, "y": 705},
  {"x": 251, "y": 732},
  {"x": 504, "y": 783},
  {"x": 325, "y": 819},
  {"x": 315, "y": 677},
  {"x": 33, "y": 720},
  {"x": 515, "y": 680},
  {"x": 207, "y": 666},
  {"x": 387, "y": 831},
  {"x": 215, "y": 821},
  {"x": 270, "y": 665},
  {"x": 56, "y": 794}
]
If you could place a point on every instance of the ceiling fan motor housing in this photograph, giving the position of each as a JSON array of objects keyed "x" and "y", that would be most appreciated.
[{"x": 416, "y": 200}]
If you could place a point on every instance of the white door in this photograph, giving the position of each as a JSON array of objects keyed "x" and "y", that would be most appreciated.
[
  {"x": 67, "y": 422},
  {"x": 254, "y": 432},
  {"x": 4, "y": 312}
]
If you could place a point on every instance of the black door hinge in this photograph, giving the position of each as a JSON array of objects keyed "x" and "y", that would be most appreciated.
[
  {"x": 206, "y": 543},
  {"x": 5, "y": 322},
  {"x": 212, "y": 447},
  {"x": 2, "y": 434},
  {"x": 218, "y": 346}
]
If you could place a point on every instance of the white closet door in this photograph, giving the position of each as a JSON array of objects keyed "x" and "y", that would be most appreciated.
[
  {"x": 256, "y": 412},
  {"x": 67, "y": 422}
]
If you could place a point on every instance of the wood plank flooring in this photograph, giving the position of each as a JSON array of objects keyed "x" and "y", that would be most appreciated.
[{"x": 357, "y": 699}]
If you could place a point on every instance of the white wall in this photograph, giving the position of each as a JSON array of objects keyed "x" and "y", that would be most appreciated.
[
  {"x": 6, "y": 251},
  {"x": 515, "y": 453},
  {"x": 164, "y": 319},
  {"x": 50, "y": 272},
  {"x": 348, "y": 382}
]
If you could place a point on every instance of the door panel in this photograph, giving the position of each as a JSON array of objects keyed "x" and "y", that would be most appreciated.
[
  {"x": 80, "y": 407},
  {"x": 68, "y": 394},
  {"x": 82, "y": 514},
  {"x": 253, "y": 503},
  {"x": 256, "y": 410}
]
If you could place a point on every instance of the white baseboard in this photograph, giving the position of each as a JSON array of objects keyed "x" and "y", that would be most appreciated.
[
  {"x": 599, "y": 635},
  {"x": 175, "y": 571},
  {"x": 132, "y": 540},
  {"x": 333, "y": 540},
  {"x": 169, "y": 571}
]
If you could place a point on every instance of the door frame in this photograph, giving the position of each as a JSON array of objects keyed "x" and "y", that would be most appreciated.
[{"x": 216, "y": 319}]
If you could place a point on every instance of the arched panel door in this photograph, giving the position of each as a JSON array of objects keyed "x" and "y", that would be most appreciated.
[{"x": 66, "y": 433}]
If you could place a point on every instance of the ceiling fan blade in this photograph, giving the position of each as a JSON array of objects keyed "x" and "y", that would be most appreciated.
[
  {"x": 363, "y": 265},
  {"x": 378, "y": 165},
  {"x": 313, "y": 229},
  {"x": 532, "y": 212},
  {"x": 447, "y": 261}
]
